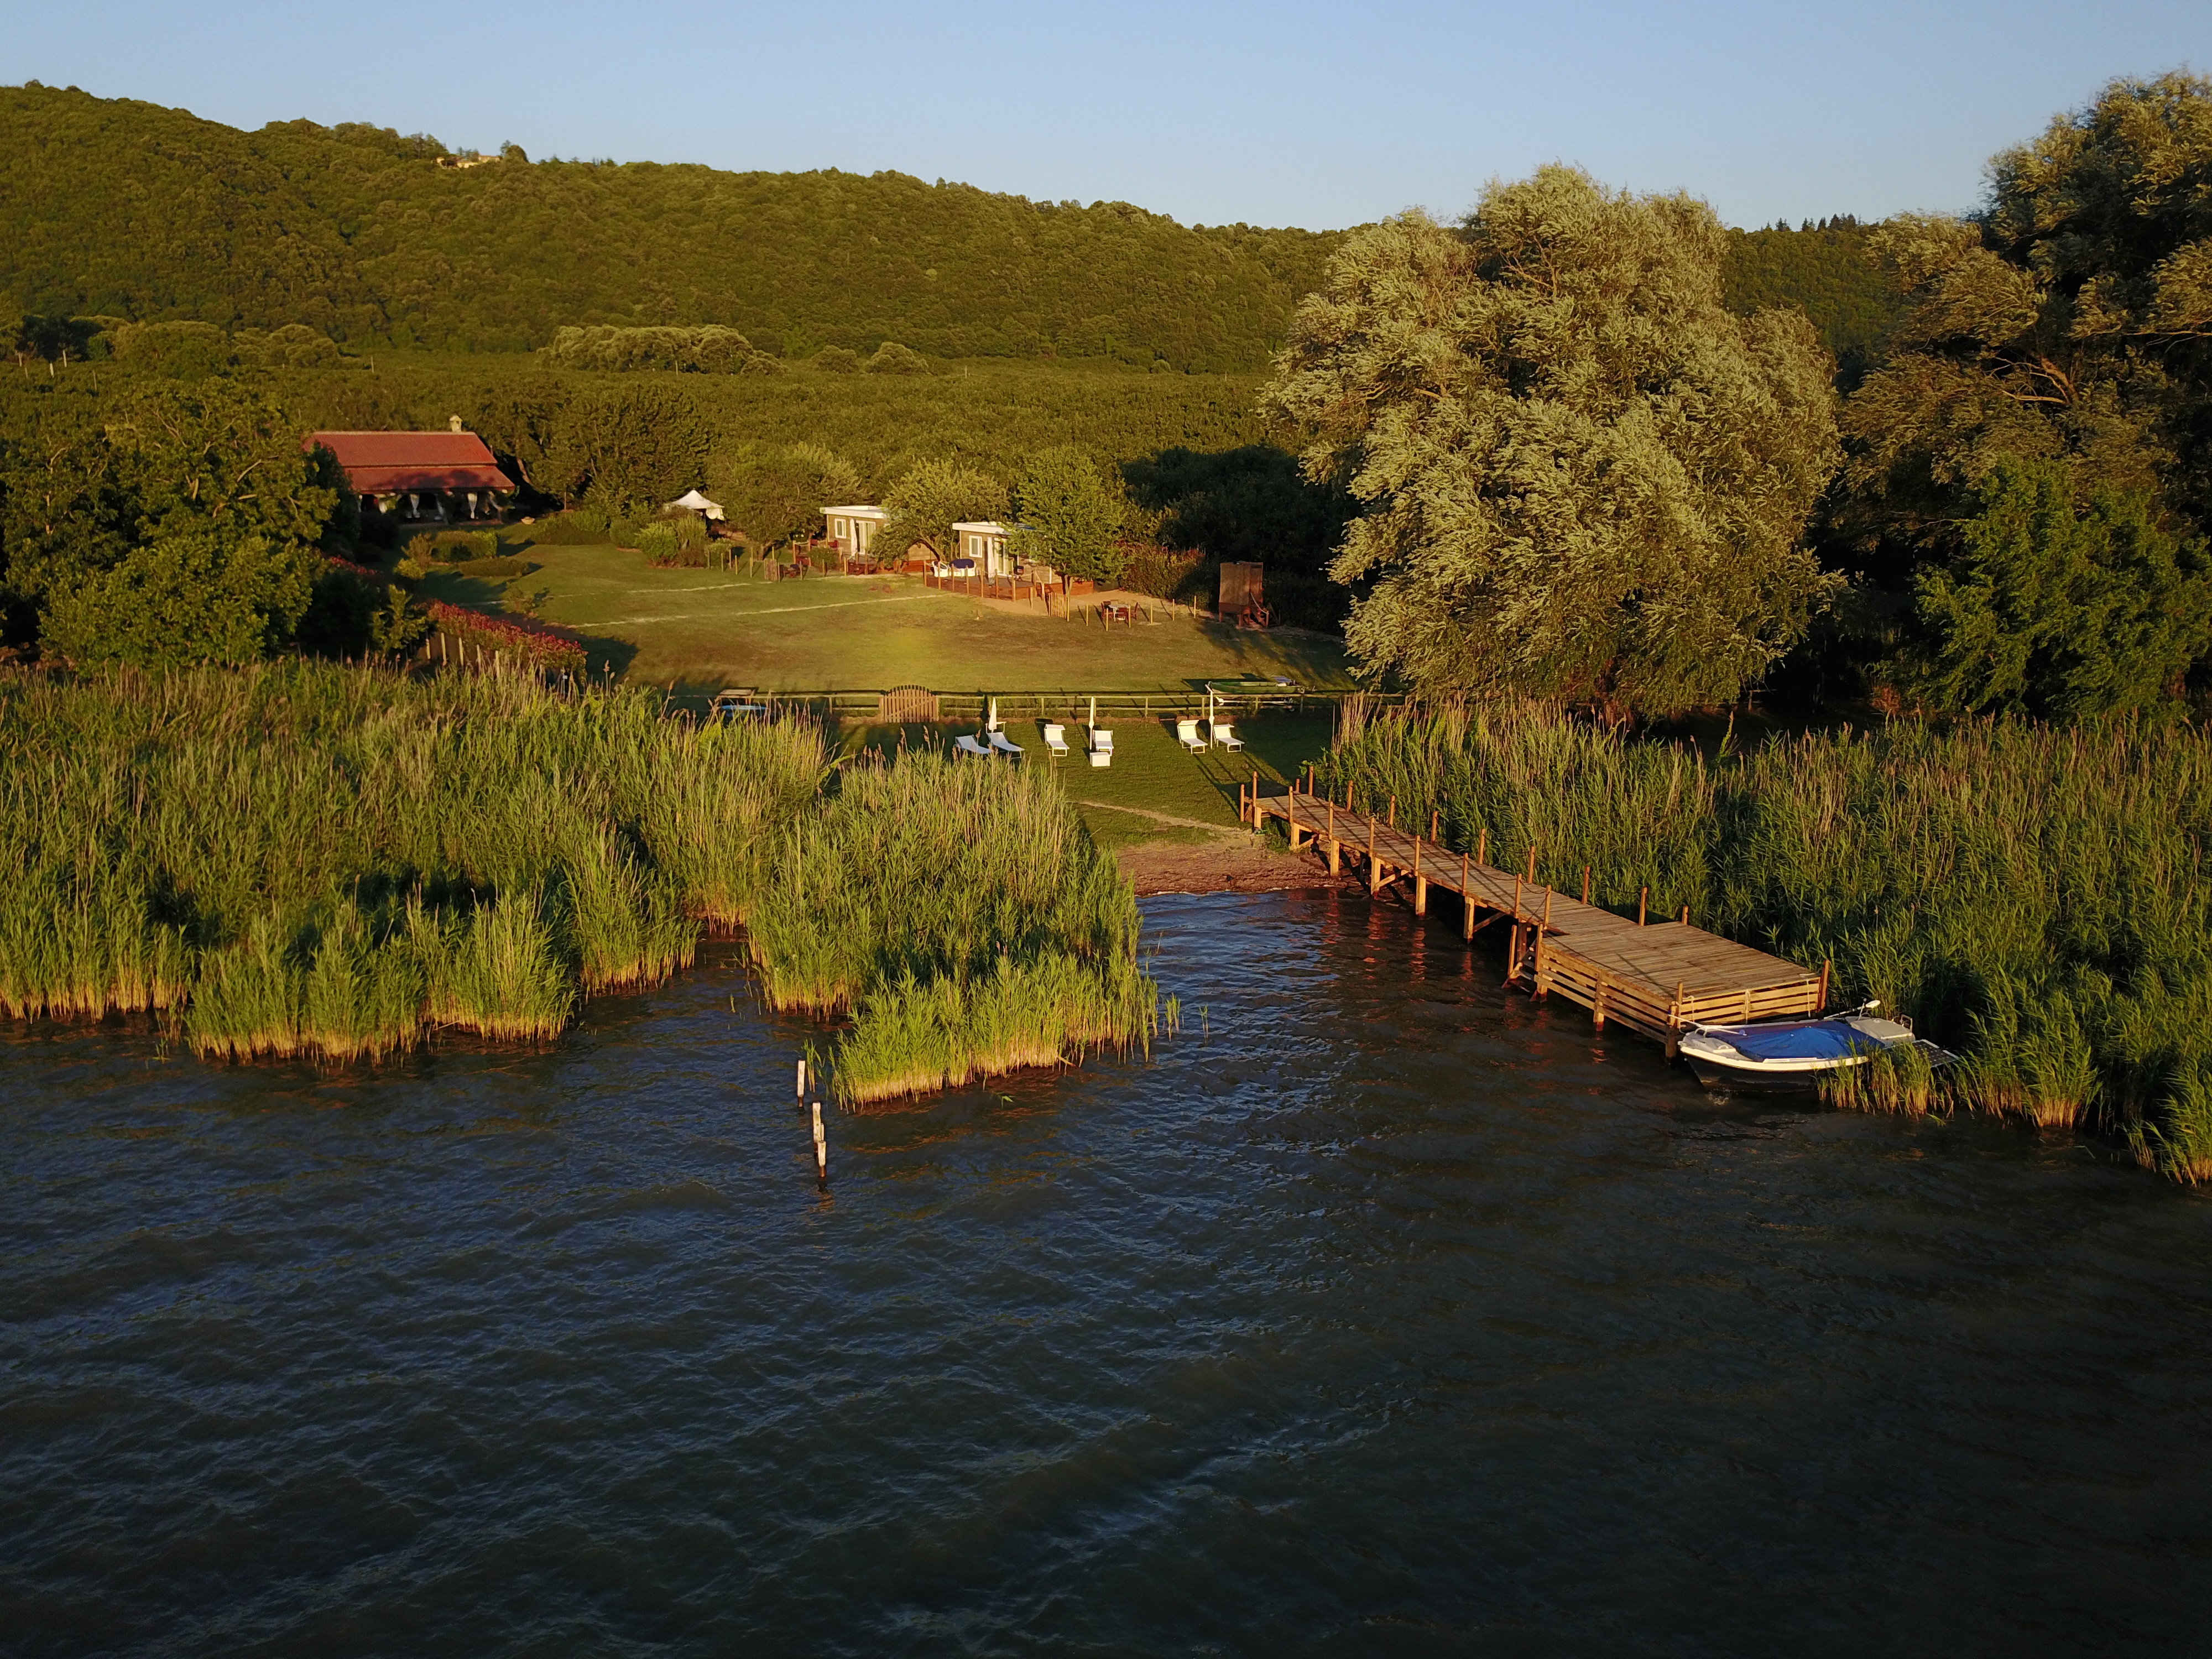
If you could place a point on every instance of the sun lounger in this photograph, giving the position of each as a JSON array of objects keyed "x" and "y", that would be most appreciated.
[
  {"x": 968, "y": 745},
  {"x": 1224, "y": 736},
  {"x": 1003, "y": 745},
  {"x": 1187, "y": 735},
  {"x": 1102, "y": 746},
  {"x": 1056, "y": 738}
]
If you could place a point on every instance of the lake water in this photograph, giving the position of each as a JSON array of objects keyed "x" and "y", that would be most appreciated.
[{"x": 1382, "y": 1312}]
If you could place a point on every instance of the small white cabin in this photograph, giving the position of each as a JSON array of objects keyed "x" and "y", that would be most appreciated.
[
  {"x": 984, "y": 541},
  {"x": 853, "y": 527}
]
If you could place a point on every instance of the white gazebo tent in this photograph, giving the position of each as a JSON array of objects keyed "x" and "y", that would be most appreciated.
[{"x": 693, "y": 501}]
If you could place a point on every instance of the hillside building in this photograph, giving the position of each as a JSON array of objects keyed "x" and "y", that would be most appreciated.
[{"x": 444, "y": 476}]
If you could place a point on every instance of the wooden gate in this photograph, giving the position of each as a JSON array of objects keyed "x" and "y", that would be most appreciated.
[{"x": 905, "y": 704}]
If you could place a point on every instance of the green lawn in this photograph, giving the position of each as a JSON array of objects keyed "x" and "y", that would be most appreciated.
[{"x": 706, "y": 628}]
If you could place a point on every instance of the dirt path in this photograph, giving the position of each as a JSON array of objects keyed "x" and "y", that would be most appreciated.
[{"x": 1234, "y": 862}]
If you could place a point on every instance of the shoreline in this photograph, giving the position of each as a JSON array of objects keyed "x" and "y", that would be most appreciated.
[{"x": 1235, "y": 863}]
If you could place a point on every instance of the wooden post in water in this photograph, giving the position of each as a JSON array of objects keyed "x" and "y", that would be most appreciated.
[
  {"x": 1675, "y": 1023},
  {"x": 821, "y": 1148},
  {"x": 1333, "y": 848},
  {"x": 1543, "y": 987},
  {"x": 1824, "y": 966},
  {"x": 1374, "y": 872},
  {"x": 1466, "y": 901},
  {"x": 1420, "y": 882},
  {"x": 801, "y": 1090},
  {"x": 1291, "y": 813}
]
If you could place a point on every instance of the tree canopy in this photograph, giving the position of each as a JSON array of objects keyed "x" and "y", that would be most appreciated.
[
  {"x": 166, "y": 524},
  {"x": 1070, "y": 513},
  {"x": 2069, "y": 321},
  {"x": 930, "y": 498},
  {"x": 1578, "y": 474}
]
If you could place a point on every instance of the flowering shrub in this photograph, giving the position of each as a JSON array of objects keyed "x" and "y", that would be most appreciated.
[{"x": 536, "y": 645}]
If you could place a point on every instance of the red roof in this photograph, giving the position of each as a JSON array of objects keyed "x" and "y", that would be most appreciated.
[{"x": 380, "y": 463}]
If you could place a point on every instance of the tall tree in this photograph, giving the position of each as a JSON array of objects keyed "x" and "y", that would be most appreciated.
[
  {"x": 1070, "y": 514},
  {"x": 2069, "y": 321},
  {"x": 2053, "y": 611},
  {"x": 1579, "y": 475},
  {"x": 166, "y": 524},
  {"x": 932, "y": 496}
]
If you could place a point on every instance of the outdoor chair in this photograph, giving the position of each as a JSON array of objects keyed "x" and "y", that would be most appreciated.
[
  {"x": 1102, "y": 746},
  {"x": 1224, "y": 736},
  {"x": 968, "y": 745},
  {"x": 1003, "y": 745},
  {"x": 1056, "y": 738},
  {"x": 1187, "y": 735}
]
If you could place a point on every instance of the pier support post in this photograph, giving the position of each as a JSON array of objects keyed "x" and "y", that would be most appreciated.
[
  {"x": 1373, "y": 870},
  {"x": 1543, "y": 928},
  {"x": 1420, "y": 882},
  {"x": 1466, "y": 902},
  {"x": 1334, "y": 848}
]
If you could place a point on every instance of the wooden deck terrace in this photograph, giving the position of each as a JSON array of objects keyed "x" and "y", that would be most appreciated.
[{"x": 1654, "y": 978}]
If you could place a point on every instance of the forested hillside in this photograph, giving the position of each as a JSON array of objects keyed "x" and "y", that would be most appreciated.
[
  {"x": 121, "y": 210},
  {"x": 1824, "y": 269},
  {"x": 126, "y": 209}
]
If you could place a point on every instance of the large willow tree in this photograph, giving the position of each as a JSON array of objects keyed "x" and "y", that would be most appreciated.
[{"x": 1580, "y": 476}]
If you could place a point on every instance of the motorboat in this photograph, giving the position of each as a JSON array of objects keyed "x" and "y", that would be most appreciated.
[{"x": 1798, "y": 1053}]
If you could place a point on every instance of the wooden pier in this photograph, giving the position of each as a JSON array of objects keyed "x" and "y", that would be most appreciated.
[{"x": 1655, "y": 978}]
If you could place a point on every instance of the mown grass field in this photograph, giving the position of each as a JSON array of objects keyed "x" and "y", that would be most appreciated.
[
  {"x": 701, "y": 629},
  {"x": 1156, "y": 789}
]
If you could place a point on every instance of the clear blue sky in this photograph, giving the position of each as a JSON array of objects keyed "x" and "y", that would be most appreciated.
[{"x": 1315, "y": 115}]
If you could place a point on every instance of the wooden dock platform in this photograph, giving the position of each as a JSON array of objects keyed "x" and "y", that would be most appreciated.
[{"x": 1655, "y": 978}]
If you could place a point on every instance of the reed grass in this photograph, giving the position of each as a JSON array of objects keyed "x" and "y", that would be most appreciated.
[
  {"x": 2030, "y": 896},
  {"x": 961, "y": 911},
  {"x": 301, "y": 859}
]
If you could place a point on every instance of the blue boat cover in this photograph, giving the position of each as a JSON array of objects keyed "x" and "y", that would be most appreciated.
[{"x": 1808, "y": 1039}]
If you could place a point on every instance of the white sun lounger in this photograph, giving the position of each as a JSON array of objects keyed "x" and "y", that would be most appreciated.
[
  {"x": 1003, "y": 745},
  {"x": 1056, "y": 738},
  {"x": 1102, "y": 746},
  {"x": 1187, "y": 735},
  {"x": 968, "y": 745},
  {"x": 1224, "y": 736}
]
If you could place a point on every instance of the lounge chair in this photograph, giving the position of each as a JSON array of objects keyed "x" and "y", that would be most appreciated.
[
  {"x": 1224, "y": 736},
  {"x": 1003, "y": 745},
  {"x": 968, "y": 745},
  {"x": 1187, "y": 735},
  {"x": 1102, "y": 746},
  {"x": 1056, "y": 738}
]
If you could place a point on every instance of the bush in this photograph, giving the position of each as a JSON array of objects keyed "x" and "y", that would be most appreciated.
[
  {"x": 659, "y": 544},
  {"x": 452, "y": 546},
  {"x": 837, "y": 360},
  {"x": 892, "y": 358},
  {"x": 1164, "y": 574},
  {"x": 578, "y": 526}
]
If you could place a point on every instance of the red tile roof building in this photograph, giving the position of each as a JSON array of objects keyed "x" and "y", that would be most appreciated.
[{"x": 387, "y": 465}]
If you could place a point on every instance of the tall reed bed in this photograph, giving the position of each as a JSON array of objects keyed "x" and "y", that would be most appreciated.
[
  {"x": 2030, "y": 896},
  {"x": 301, "y": 859},
  {"x": 960, "y": 910}
]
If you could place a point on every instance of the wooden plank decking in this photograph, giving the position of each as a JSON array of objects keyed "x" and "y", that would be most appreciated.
[{"x": 1653, "y": 979}]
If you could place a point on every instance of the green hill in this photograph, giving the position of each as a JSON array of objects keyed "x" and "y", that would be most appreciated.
[
  {"x": 1823, "y": 269},
  {"x": 125, "y": 209}
]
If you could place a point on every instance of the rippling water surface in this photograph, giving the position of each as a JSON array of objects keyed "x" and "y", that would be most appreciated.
[{"x": 1380, "y": 1313}]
